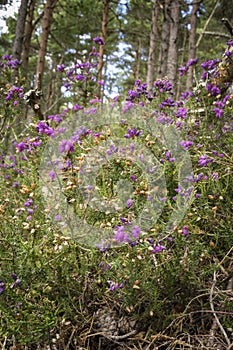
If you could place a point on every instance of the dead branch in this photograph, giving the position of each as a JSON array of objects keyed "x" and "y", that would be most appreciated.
[{"x": 216, "y": 320}]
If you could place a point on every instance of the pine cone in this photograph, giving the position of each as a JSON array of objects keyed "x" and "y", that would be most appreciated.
[{"x": 109, "y": 323}]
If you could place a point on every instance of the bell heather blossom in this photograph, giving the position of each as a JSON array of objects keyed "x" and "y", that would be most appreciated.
[
  {"x": 115, "y": 285},
  {"x": 204, "y": 160},
  {"x": 61, "y": 67},
  {"x": 44, "y": 128},
  {"x": 22, "y": 146},
  {"x": 186, "y": 144},
  {"x": 158, "y": 248},
  {"x": 98, "y": 40},
  {"x": 132, "y": 133},
  {"x": 66, "y": 146},
  {"x": 218, "y": 112},
  {"x": 129, "y": 203},
  {"x": 121, "y": 235},
  {"x": 185, "y": 231},
  {"x": 2, "y": 287},
  {"x": 127, "y": 106},
  {"x": 136, "y": 232}
]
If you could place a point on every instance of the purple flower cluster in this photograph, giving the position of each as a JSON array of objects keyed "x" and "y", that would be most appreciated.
[
  {"x": 44, "y": 128},
  {"x": 8, "y": 63},
  {"x": 132, "y": 133},
  {"x": 122, "y": 236},
  {"x": 28, "y": 144},
  {"x": 205, "y": 160},
  {"x": 66, "y": 146},
  {"x": 13, "y": 285},
  {"x": 98, "y": 40},
  {"x": 184, "y": 69},
  {"x": 114, "y": 285},
  {"x": 163, "y": 85},
  {"x": 14, "y": 93},
  {"x": 186, "y": 144}
]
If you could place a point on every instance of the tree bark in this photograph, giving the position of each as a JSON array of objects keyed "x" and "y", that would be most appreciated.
[
  {"x": 152, "y": 48},
  {"x": 102, "y": 47},
  {"x": 163, "y": 54},
  {"x": 172, "y": 61},
  {"x": 137, "y": 67},
  {"x": 19, "y": 35},
  {"x": 192, "y": 44},
  {"x": 46, "y": 24},
  {"x": 28, "y": 33}
]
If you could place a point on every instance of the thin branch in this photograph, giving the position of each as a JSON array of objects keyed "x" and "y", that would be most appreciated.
[
  {"x": 206, "y": 24},
  {"x": 224, "y": 35},
  {"x": 214, "y": 313}
]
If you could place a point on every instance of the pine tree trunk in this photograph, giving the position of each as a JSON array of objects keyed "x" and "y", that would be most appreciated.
[
  {"x": 192, "y": 44},
  {"x": 172, "y": 61},
  {"x": 104, "y": 36},
  {"x": 46, "y": 23},
  {"x": 165, "y": 34},
  {"x": 152, "y": 48},
  {"x": 28, "y": 33},
  {"x": 178, "y": 85},
  {"x": 19, "y": 35},
  {"x": 136, "y": 73}
]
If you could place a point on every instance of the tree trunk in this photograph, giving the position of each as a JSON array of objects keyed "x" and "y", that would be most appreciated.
[
  {"x": 104, "y": 36},
  {"x": 172, "y": 61},
  {"x": 163, "y": 54},
  {"x": 46, "y": 23},
  {"x": 19, "y": 35},
  {"x": 137, "y": 67},
  {"x": 192, "y": 44},
  {"x": 152, "y": 48},
  {"x": 28, "y": 33},
  {"x": 178, "y": 85}
]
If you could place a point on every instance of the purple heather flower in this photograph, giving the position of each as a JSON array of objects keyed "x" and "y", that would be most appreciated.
[
  {"x": 132, "y": 133},
  {"x": 192, "y": 61},
  {"x": 133, "y": 177},
  {"x": 57, "y": 217},
  {"x": 90, "y": 111},
  {"x": 218, "y": 112},
  {"x": 98, "y": 40},
  {"x": 16, "y": 283},
  {"x": 80, "y": 77},
  {"x": 204, "y": 160},
  {"x": 21, "y": 146},
  {"x": 228, "y": 53},
  {"x": 77, "y": 107},
  {"x": 52, "y": 175},
  {"x": 2, "y": 287},
  {"x": 158, "y": 248},
  {"x": 182, "y": 70},
  {"x": 66, "y": 146},
  {"x": 197, "y": 195},
  {"x": 120, "y": 235},
  {"x": 127, "y": 106},
  {"x": 44, "y": 128},
  {"x": 61, "y": 67},
  {"x": 185, "y": 231},
  {"x": 186, "y": 144},
  {"x": 28, "y": 203},
  {"x": 181, "y": 113},
  {"x": 129, "y": 203},
  {"x": 135, "y": 232}
]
